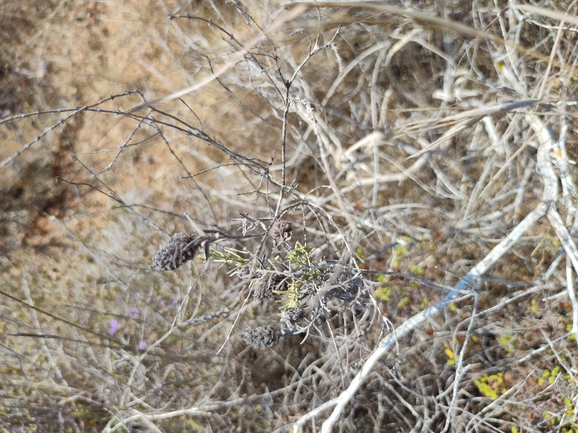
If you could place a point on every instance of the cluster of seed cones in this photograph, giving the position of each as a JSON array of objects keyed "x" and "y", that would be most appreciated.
[{"x": 182, "y": 247}]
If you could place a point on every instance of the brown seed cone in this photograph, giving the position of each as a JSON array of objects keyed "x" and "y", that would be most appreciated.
[
  {"x": 263, "y": 336},
  {"x": 177, "y": 250},
  {"x": 264, "y": 288},
  {"x": 293, "y": 315},
  {"x": 281, "y": 231},
  {"x": 247, "y": 271}
]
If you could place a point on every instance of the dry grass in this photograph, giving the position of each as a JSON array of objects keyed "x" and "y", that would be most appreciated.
[{"x": 386, "y": 197}]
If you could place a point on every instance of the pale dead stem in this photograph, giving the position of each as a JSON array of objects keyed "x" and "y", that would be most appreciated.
[
  {"x": 247, "y": 46},
  {"x": 547, "y": 206},
  {"x": 73, "y": 112},
  {"x": 548, "y": 150},
  {"x": 208, "y": 409},
  {"x": 387, "y": 344}
]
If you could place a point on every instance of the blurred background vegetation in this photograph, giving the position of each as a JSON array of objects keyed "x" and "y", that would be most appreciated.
[{"x": 398, "y": 139}]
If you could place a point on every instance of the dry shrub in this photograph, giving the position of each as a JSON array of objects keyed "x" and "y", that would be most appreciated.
[{"x": 347, "y": 166}]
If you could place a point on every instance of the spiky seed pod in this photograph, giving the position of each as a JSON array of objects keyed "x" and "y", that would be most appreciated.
[
  {"x": 347, "y": 292},
  {"x": 177, "y": 250},
  {"x": 293, "y": 315},
  {"x": 264, "y": 288},
  {"x": 247, "y": 271},
  {"x": 263, "y": 336},
  {"x": 281, "y": 231}
]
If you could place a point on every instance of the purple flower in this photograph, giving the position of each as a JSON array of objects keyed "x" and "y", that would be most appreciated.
[
  {"x": 113, "y": 327},
  {"x": 142, "y": 346},
  {"x": 132, "y": 312}
]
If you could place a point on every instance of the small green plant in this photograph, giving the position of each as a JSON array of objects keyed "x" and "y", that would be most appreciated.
[
  {"x": 491, "y": 385},
  {"x": 227, "y": 256},
  {"x": 451, "y": 355},
  {"x": 291, "y": 296},
  {"x": 509, "y": 342},
  {"x": 416, "y": 270},
  {"x": 404, "y": 302},
  {"x": 564, "y": 418},
  {"x": 398, "y": 253},
  {"x": 549, "y": 376},
  {"x": 383, "y": 292},
  {"x": 301, "y": 254},
  {"x": 552, "y": 244}
]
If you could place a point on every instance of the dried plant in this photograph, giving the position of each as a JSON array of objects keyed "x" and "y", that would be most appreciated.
[
  {"x": 265, "y": 287},
  {"x": 406, "y": 181},
  {"x": 179, "y": 249},
  {"x": 281, "y": 231},
  {"x": 293, "y": 315},
  {"x": 263, "y": 336}
]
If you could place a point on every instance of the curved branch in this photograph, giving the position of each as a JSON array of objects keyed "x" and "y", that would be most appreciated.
[{"x": 549, "y": 195}]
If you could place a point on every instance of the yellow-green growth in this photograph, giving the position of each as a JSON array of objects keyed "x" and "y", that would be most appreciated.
[
  {"x": 404, "y": 301},
  {"x": 383, "y": 292},
  {"x": 291, "y": 296},
  {"x": 451, "y": 355},
  {"x": 491, "y": 385},
  {"x": 548, "y": 376},
  {"x": 417, "y": 270},
  {"x": 508, "y": 342}
]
